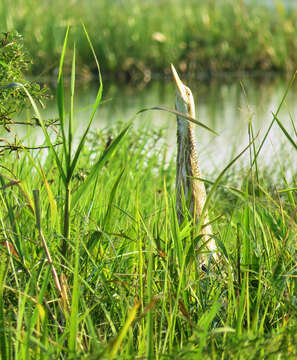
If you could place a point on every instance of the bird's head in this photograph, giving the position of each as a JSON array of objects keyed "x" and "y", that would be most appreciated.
[{"x": 184, "y": 98}]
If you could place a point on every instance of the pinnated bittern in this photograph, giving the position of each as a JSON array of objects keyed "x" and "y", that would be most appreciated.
[{"x": 188, "y": 187}]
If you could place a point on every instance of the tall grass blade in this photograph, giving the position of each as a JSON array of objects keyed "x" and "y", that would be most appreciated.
[
  {"x": 94, "y": 54},
  {"x": 45, "y": 132},
  {"x": 73, "y": 323},
  {"x": 60, "y": 96},
  {"x": 150, "y": 324},
  {"x": 293, "y": 125},
  {"x": 51, "y": 199},
  {"x": 71, "y": 114},
  {"x": 218, "y": 180},
  {"x": 118, "y": 341},
  {"x": 185, "y": 116},
  {"x": 43, "y": 241},
  {"x": 98, "y": 165},
  {"x": 15, "y": 238},
  {"x": 285, "y": 131},
  {"x": 205, "y": 322},
  {"x": 3, "y": 343},
  {"x": 36, "y": 312},
  {"x": 276, "y": 114},
  {"x": 83, "y": 138},
  {"x": 94, "y": 109},
  {"x": 111, "y": 198}
]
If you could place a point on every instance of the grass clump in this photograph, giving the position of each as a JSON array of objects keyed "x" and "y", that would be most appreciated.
[
  {"x": 128, "y": 284},
  {"x": 136, "y": 37},
  {"x": 130, "y": 276}
]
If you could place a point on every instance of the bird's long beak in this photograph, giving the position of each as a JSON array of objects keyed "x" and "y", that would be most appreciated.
[{"x": 178, "y": 82}]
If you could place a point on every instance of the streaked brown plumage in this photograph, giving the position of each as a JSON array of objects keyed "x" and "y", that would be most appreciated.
[{"x": 187, "y": 165}]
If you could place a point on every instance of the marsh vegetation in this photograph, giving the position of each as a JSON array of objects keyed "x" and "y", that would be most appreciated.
[
  {"x": 93, "y": 261},
  {"x": 136, "y": 38}
]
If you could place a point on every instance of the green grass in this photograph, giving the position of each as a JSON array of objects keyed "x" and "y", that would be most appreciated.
[
  {"x": 128, "y": 285},
  {"x": 137, "y": 36}
]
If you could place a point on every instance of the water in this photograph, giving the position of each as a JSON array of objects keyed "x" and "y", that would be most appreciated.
[{"x": 224, "y": 103}]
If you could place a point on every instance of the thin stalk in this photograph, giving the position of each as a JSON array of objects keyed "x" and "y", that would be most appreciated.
[
  {"x": 44, "y": 244},
  {"x": 66, "y": 230},
  {"x": 71, "y": 114},
  {"x": 3, "y": 337}
]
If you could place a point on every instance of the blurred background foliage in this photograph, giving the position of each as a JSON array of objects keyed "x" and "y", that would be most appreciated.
[{"x": 136, "y": 38}]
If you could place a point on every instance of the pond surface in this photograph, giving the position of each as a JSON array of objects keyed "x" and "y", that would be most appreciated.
[{"x": 224, "y": 103}]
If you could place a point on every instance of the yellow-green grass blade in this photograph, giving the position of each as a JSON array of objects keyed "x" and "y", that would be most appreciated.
[
  {"x": 107, "y": 153},
  {"x": 71, "y": 114},
  {"x": 94, "y": 109},
  {"x": 276, "y": 114},
  {"x": 218, "y": 180},
  {"x": 294, "y": 143},
  {"x": 60, "y": 96},
  {"x": 73, "y": 321},
  {"x": 111, "y": 198},
  {"x": 45, "y": 132},
  {"x": 51, "y": 199},
  {"x": 3, "y": 343},
  {"x": 185, "y": 116},
  {"x": 118, "y": 341}
]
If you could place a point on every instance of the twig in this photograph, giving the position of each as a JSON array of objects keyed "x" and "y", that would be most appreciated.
[
  {"x": 11, "y": 183},
  {"x": 12, "y": 147}
]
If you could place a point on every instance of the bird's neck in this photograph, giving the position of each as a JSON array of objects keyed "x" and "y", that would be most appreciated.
[
  {"x": 186, "y": 149},
  {"x": 187, "y": 169}
]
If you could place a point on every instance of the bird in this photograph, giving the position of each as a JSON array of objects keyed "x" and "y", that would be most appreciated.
[{"x": 189, "y": 189}]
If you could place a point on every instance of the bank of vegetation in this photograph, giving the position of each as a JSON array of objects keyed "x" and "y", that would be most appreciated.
[
  {"x": 94, "y": 264},
  {"x": 136, "y": 38}
]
